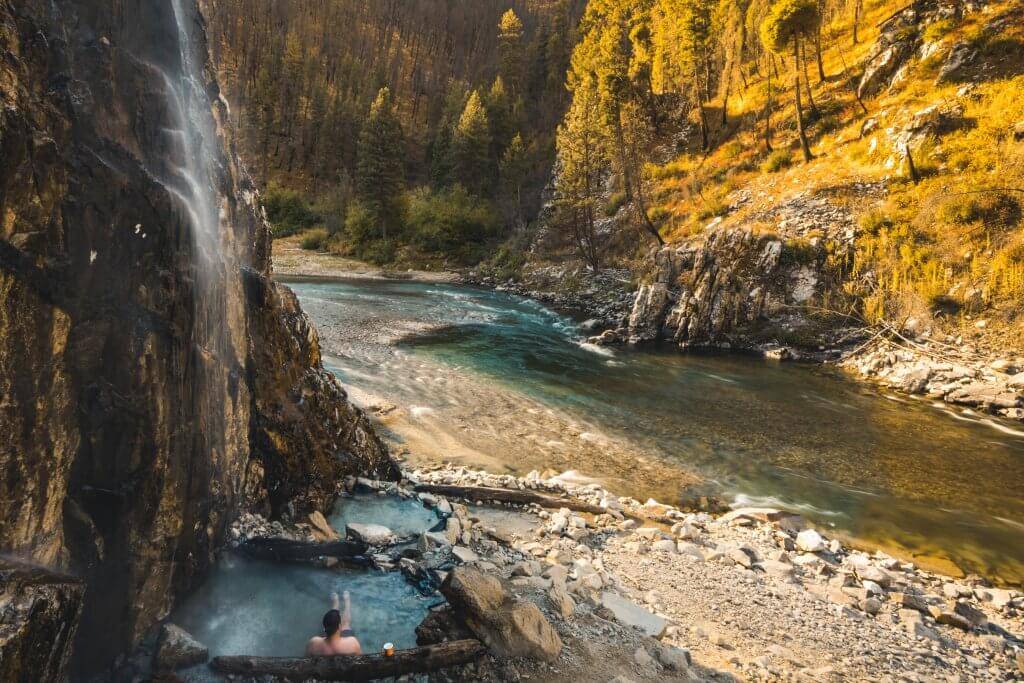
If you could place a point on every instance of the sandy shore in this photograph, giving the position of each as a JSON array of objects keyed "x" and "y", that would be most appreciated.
[{"x": 292, "y": 261}]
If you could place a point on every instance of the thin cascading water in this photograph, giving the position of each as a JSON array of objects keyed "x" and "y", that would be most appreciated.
[{"x": 196, "y": 170}]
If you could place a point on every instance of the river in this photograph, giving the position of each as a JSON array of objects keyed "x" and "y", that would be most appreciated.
[{"x": 481, "y": 378}]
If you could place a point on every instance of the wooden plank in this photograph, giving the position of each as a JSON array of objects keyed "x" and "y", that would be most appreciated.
[
  {"x": 484, "y": 493},
  {"x": 285, "y": 550},
  {"x": 356, "y": 667}
]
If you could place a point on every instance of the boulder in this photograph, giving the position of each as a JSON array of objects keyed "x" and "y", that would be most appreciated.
[
  {"x": 438, "y": 626},
  {"x": 370, "y": 534},
  {"x": 322, "y": 529},
  {"x": 628, "y": 612},
  {"x": 464, "y": 555},
  {"x": 177, "y": 649},
  {"x": 810, "y": 541},
  {"x": 510, "y": 628},
  {"x": 562, "y": 601},
  {"x": 673, "y": 658},
  {"x": 39, "y": 615}
]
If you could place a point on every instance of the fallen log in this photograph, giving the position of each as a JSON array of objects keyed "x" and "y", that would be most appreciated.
[
  {"x": 354, "y": 668},
  {"x": 287, "y": 550},
  {"x": 509, "y": 496}
]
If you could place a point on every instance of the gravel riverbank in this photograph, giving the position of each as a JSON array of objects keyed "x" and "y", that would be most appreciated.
[{"x": 651, "y": 592}]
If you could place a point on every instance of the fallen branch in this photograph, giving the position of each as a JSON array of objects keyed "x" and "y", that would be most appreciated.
[
  {"x": 354, "y": 668},
  {"x": 287, "y": 550},
  {"x": 509, "y": 496}
]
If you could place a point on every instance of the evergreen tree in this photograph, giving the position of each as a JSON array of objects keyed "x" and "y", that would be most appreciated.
[
  {"x": 512, "y": 171},
  {"x": 380, "y": 175},
  {"x": 682, "y": 59},
  {"x": 510, "y": 42},
  {"x": 500, "y": 117},
  {"x": 787, "y": 24},
  {"x": 472, "y": 146},
  {"x": 441, "y": 157}
]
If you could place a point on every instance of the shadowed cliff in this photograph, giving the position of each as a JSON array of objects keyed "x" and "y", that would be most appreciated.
[{"x": 149, "y": 390}]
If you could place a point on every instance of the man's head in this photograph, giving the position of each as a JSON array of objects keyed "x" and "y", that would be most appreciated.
[{"x": 332, "y": 622}]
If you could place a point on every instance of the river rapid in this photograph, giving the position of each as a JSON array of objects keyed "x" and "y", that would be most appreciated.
[{"x": 477, "y": 377}]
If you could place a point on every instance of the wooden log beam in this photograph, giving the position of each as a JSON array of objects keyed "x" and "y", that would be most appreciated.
[
  {"x": 357, "y": 667},
  {"x": 287, "y": 550},
  {"x": 484, "y": 493}
]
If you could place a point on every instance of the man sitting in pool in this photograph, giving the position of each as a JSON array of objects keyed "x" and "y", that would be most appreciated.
[{"x": 338, "y": 638}]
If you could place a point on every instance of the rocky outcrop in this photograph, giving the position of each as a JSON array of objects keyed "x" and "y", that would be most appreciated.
[
  {"x": 713, "y": 291},
  {"x": 152, "y": 384},
  {"x": 509, "y": 627},
  {"x": 38, "y": 617}
]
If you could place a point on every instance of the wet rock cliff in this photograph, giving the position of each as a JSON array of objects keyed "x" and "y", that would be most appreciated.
[{"x": 152, "y": 384}]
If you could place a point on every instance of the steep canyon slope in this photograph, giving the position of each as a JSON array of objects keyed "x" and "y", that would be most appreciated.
[{"x": 151, "y": 385}]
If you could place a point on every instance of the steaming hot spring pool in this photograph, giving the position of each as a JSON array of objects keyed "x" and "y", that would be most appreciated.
[{"x": 254, "y": 607}]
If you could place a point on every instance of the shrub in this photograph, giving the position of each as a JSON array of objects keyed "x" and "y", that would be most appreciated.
[
  {"x": 289, "y": 212},
  {"x": 658, "y": 214},
  {"x": 361, "y": 227},
  {"x": 996, "y": 209},
  {"x": 451, "y": 222},
  {"x": 314, "y": 240},
  {"x": 937, "y": 30},
  {"x": 732, "y": 149},
  {"x": 777, "y": 160},
  {"x": 615, "y": 202},
  {"x": 874, "y": 220}
]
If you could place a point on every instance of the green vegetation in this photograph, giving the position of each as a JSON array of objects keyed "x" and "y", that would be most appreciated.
[
  {"x": 314, "y": 240},
  {"x": 777, "y": 160},
  {"x": 289, "y": 212},
  {"x": 337, "y": 124}
]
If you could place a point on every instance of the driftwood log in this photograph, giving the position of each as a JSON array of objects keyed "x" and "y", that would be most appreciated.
[
  {"x": 354, "y": 668},
  {"x": 509, "y": 496},
  {"x": 287, "y": 550}
]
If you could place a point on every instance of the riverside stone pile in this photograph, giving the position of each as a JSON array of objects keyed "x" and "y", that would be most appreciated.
[
  {"x": 950, "y": 371},
  {"x": 753, "y": 592},
  {"x": 647, "y": 591}
]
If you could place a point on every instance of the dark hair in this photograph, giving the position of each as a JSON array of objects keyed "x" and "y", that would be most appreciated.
[{"x": 332, "y": 622}]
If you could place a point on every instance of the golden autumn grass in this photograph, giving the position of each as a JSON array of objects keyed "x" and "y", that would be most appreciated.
[{"x": 952, "y": 243}]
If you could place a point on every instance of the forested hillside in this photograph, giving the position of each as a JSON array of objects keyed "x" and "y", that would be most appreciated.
[
  {"x": 880, "y": 142},
  {"x": 426, "y": 126}
]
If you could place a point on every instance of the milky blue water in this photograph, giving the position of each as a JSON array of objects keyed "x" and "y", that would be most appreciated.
[
  {"x": 250, "y": 607},
  {"x": 482, "y": 367}
]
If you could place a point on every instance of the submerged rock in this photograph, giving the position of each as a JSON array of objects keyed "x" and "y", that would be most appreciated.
[
  {"x": 177, "y": 649},
  {"x": 370, "y": 534},
  {"x": 510, "y": 628}
]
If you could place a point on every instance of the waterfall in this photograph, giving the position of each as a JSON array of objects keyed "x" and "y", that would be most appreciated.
[{"x": 196, "y": 171}]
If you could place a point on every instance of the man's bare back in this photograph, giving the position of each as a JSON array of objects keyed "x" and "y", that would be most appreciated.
[{"x": 338, "y": 638}]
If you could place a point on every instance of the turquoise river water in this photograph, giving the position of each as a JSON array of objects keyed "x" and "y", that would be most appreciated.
[{"x": 475, "y": 376}]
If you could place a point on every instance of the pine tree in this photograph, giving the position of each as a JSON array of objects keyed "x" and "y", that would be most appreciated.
[
  {"x": 472, "y": 146},
  {"x": 789, "y": 22},
  {"x": 499, "y": 117},
  {"x": 512, "y": 171},
  {"x": 510, "y": 42},
  {"x": 380, "y": 175},
  {"x": 682, "y": 52}
]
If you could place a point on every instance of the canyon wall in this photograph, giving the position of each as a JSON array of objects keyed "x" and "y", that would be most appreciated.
[{"x": 148, "y": 389}]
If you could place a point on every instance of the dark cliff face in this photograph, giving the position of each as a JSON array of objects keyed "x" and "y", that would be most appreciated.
[{"x": 148, "y": 391}]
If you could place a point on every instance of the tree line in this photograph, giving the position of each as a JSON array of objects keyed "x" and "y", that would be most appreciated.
[
  {"x": 394, "y": 123},
  {"x": 642, "y": 67}
]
